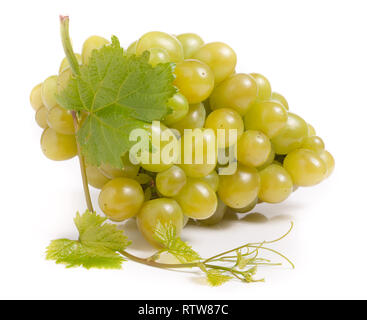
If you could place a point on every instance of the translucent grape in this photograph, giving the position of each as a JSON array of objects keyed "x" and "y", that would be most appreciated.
[
  {"x": 329, "y": 162},
  {"x": 41, "y": 117},
  {"x": 276, "y": 184},
  {"x": 194, "y": 79},
  {"x": 197, "y": 200},
  {"x": 60, "y": 120},
  {"x": 171, "y": 181},
  {"x": 263, "y": 86},
  {"x": 240, "y": 189},
  {"x": 179, "y": 109},
  {"x": 36, "y": 97},
  {"x": 121, "y": 198},
  {"x": 132, "y": 48},
  {"x": 95, "y": 177},
  {"x": 163, "y": 40},
  {"x": 311, "y": 130},
  {"x": 158, "y": 55},
  {"x": 278, "y": 97},
  {"x": 63, "y": 79},
  {"x": 225, "y": 119},
  {"x": 191, "y": 43},
  {"x": 56, "y": 146},
  {"x": 195, "y": 118},
  {"x": 220, "y": 57},
  {"x": 291, "y": 136},
  {"x": 49, "y": 91},
  {"x": 253, "y": 148},
  {"x": 164, "y": 211},
  {"x": 305, "y": 167},
  {"x": 92, "y": 43},
  {"x": 65, "y": 62},
  {"x": 212, "y": 179},
  {"x": 128, "y": 169},
  {"x": 237, "y": 92},
  {"x": 270, "y": 117},
  {"x": 246, "y": 209},
  {"x": 314, "y": 143},
  {"x": 217, "y": 215}
]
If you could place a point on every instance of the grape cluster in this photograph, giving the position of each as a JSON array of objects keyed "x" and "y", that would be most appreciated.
[{"x": 277, "y": 150}]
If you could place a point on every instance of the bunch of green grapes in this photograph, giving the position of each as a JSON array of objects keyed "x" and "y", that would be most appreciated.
[{"x": 277, "y": 150}]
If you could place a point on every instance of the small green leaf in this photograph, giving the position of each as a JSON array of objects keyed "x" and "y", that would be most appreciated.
[{"x": 216, "y": 278}]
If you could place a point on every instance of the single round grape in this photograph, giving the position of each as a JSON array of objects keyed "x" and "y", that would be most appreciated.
[
  {"x": 63, "y": 79},
  {"x": 36, "y": 97},
  {"x": 212, "y": 179},
  {"x": 195, "y": 118},
  {"x": 41, "y": 117},
  {"x": 241, "y": 188},
  {"x": 128, "y": 170},
  {"x": 246, "y": 209},
  {"x": 329, "y": 162},
  {"x": 263, "y": 86},
  {"x": 92, "y": 43},
  {"x": 179, "y": 109},
  {"x": 95, "y": 177},
  {"x": 217, "y": 216},
  {"x": 65, "y": 62},
  {"x": 270, "y": 117},
  {"x": 132, "y": 48},
  {"x": 269, "y": 160},
  {"x": 237, "y": 92},
  {"x": 225, "y": 119},
  {"x": 253, "y": 148},
  {"x": 197, "y": 200},
  {"x": 170, "y": 182},
  {"x": 278, "y": 97},
  {"x": 158, "y": 55},
  {"x": 194, "y": 79},
  {"x": 49, "y": 91},
  {"x": 121, "y": 199},
  {"x": 305, "y": 167},
  {"x": 60, "y": 120},
  {"x": 291, "y": 136},
  {"x": 191, "y": 43},
  {"x": 220, "y": 57},
  {"x": 276, "y": 184},
  {"x": 311, "y": 130},
  {"x": 164, "y": 211},
  {"x": 314, "y": 143},
  {"x": 207, "y": 148},
  {"x": 163, "y": 40},
  {"x": 57, "y": 146}
]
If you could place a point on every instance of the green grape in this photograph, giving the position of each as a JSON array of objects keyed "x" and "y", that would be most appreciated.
[
  {"x": 164, "y": 211},
  {"x": 201, "y": 167},
  {"x": 278, "y": 97},
  {"x": 195, "y": 118},
  {"x": 128, "y": 170},
  {"x": 36, "y": 97},
  {"x": 158, "y": 55},
  {"x": 240, "y": 189},
  {"x": 49, "y": 91},
  {"x": 212, "y": 179},
  {"x": 194, "y": 79},
  {"x": 95, "y": 177},
  {"x": 92, "y": 43},
  {"x": 305, "y": 167},
  {"x": 329, "y": 162},
  {"x": 311, "y": 130},
  {"x": 246, "y": 209},
  {"x": 220, "y": 57},
  {"x": 121, "y": 199},
  {"x": 268, "y": 161},
  {"x": 57, "y": 146},
  {"x": 197, "y": 200},
  {"x": 263, "y": 86},
  {"x": 225, "y": 119},
  {"x": 217, "y": 216},
  {"x": 237, "y": 92},
  {"x": 186, "y": 220},
  {"x": 162, "y": 40},
  {"x": 270, "y": 117},
  {"x": 253, "y": 148},
  {"x": 41, "y": 117},
  {"x": 63, "y": 79},
  {"x": 60, "y": 120},
  {"x": 170, "y": 182},
  {"x": 191, "y": 43},
  {"x": 314, "y": 143},
  {"x": 65, "y": 62},
  {"x": 291, "y": 136},
  {"x": 276, "y": 184},
  {"x": 132, "y": 48},
  {"x": 179, "y": 109}
]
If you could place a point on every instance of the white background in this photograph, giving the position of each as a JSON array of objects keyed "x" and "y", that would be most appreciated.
[{"x": 314, "y": 52}]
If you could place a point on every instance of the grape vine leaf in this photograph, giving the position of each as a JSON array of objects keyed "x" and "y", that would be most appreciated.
[
  {"x": 166, "y": 235},
  {"x": 119, "y": 93},
  {"x": 98, "y": 245},
  {"x": 216, "y": 278}
]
